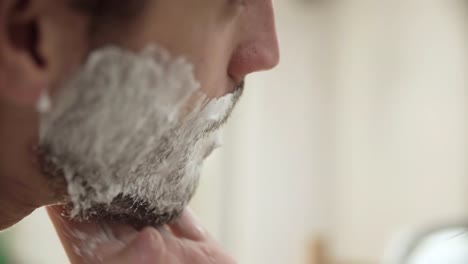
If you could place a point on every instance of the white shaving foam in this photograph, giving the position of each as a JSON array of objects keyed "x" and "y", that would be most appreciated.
[{"x": 118, "y": 127}]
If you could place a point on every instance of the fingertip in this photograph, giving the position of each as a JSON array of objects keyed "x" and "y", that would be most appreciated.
[
  {"x": 150, "y": 244},
  {"x": 150, "y": 236},
  {"x": 188, "y": 226},
  {"x": 147, "y": 247}
]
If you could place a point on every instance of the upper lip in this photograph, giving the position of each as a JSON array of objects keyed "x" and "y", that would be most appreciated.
[
  {"x": 236, "y": 79},
  {"x": 235, "y": 82}
]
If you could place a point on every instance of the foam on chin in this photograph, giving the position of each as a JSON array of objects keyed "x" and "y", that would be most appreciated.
[{"x": 120, "y": 135}]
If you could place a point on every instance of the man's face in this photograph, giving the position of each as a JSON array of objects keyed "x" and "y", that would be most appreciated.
[{"x": 88, "y": 135}]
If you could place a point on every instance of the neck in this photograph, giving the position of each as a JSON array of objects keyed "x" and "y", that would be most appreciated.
[{"x": 22, "y": 186}]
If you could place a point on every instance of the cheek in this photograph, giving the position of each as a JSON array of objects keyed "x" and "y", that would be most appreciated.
[
  {"x": 21, "y": 86},
  {"x": 212, "y": 78},
  {"x": 206, "y": 44},
  {"x": 210, "y": 66}
]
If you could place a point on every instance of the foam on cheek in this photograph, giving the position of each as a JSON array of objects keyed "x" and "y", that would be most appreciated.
[{"x": 108, "y": 128}]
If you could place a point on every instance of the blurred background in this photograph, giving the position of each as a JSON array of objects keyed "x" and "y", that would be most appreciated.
[{"x": 350, "y": 152}]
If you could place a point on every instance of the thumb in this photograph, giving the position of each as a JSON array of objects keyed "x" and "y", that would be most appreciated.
[
  {"x": 147, "y": 248},
  {"x": 87, "y": 242}
]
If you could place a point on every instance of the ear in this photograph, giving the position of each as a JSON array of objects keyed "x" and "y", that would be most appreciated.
[{"x": 39, "y": 41}]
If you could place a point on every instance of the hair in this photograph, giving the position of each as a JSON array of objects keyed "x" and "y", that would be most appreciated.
[{"x": 108, "y": 12}]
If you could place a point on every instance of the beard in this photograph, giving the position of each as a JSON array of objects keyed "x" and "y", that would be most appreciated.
[{"x": 129, "y": 133}]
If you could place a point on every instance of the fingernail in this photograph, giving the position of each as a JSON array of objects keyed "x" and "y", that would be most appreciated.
[
  {"x": 144, "y": 248},
  {"x": 114, "y": 239},
  {"x": 125, "y": 234}
]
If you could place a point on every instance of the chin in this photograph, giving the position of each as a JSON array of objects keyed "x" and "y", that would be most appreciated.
[{"x": 131, "y": 211}]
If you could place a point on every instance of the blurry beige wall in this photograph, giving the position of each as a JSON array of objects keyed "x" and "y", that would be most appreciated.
[{"x": 401, "y": 120}]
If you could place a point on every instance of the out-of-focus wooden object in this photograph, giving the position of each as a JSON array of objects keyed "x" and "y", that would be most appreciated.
[{"x": 319, "y": 253}]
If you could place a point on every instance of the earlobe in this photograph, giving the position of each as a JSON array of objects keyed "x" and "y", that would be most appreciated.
[{"x": 23, "y": 69}]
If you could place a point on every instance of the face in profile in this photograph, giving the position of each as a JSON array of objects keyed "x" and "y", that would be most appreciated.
[{"x": 132, "y": 96}]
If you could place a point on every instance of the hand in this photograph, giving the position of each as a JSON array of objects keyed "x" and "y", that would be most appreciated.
[{"x": 184, "y": 241}]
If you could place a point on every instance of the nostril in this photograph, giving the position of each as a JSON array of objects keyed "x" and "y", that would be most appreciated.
[{"x": 253, "y": 58}]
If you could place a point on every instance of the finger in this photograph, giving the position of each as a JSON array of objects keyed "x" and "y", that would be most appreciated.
[
  {"x": 147, "y": 248},
  {"x": 202, "y": 252},
  {"x": 189, "y": 227}
]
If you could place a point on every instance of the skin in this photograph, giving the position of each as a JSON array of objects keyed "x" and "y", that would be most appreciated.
[
  {"x": 184, "y": 241},
  {"x": 43, "y": 42}
]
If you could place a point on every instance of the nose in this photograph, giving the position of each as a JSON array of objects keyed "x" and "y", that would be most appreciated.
[{"x": 257, "y": 48}]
